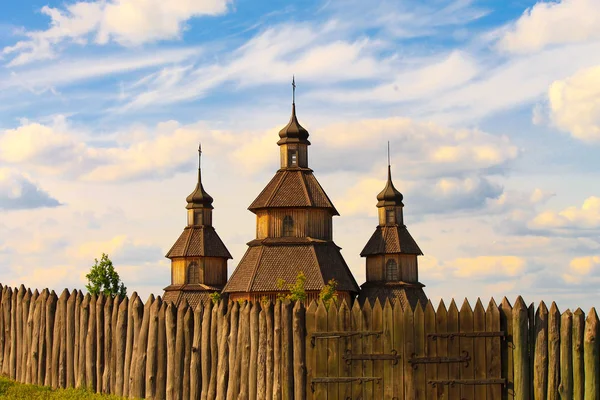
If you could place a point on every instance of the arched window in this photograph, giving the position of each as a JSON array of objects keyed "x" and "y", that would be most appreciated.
[
  {"x": 391, "y": 270},
  {"x": 193, "y": 273},
  {"x": 288, "y": 226}
]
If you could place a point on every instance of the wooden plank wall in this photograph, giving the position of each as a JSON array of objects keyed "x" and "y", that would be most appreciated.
[{"x": 264, "y": 350}]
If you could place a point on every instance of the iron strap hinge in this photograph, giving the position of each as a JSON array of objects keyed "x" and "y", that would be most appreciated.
[
  {"x": 435, "y": 336},
  {"x": 336, "y": 335},
  {"x": 344, "y": 379},
  {"x": 349, "y": 357},
  {"x": 453, "y": 382},
  {"x": 440, "y": 360}
]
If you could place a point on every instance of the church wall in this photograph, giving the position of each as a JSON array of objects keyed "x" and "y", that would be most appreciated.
[
  {"x": 408, "y": 267},
  {"x": 375, "y": 268},
  {"x": 178, "y": 268},
  {"x": 215, "y": 271},
  {"x": 307, "y": 222}
]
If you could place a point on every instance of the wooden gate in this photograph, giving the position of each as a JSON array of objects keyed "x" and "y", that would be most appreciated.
[{"x": 386, "y": 352}]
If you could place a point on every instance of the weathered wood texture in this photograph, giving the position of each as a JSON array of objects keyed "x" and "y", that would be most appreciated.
[{"x": 286, "y": 350}]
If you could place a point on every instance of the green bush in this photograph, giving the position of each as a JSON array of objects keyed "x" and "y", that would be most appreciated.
[{"x": 15, "y": 390}]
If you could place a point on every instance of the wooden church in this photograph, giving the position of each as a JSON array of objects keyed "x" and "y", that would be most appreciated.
[{"x": 294, "y": 233}]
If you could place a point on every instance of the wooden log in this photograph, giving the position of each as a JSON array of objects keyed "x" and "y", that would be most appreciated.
[
  {"x": 84, "y": 316},
  {"x": 270, "y": 331},
  {"x": 332, "y": 350},
  {"x": 35, "y": 341},
  {"x": 254, "y": 332},
  {"x": 51, "y": 304},
  {"x": 531, "y": 343},
  {"x": 121, "y": 330},
  {"x": 479, "y": 349},
  {"x": 540, "y": 366},
  {"x": 261, "y": 379},
  {"x": 409, "y": 351},
  {"x": 566, "y": 356},
  {"x": 100, "y": 300},
  {"x": 171, "y": 335},
  {"x": 28, "y": 321},
  {"x": 138, "y": 376},
  {"x": 188, "y": 332},
  {"x": 233, "y": 381},
  {"x": 195, "y": 366},
  {"x": 108, "y": 343},
  {"x": 77, "y": 313},
  {"x": 356, "y": 325},
  {"x": 441, "y": 327},
  {"x": 205, "y": 350},
  {"x": 553, "y": 352},
  {"x": 151, "y": 352},
  {"x": 277, "y": 360},
  {"x": 70, "y": 339},
  {"x": 59, "y": 359},
  {"x": 431, "y": 370},
  {"x": 578, "y": 372},
  {"x": 493, "y": 350},
  {"x": 7, "y": 298},
  {"x": 2, "y": 332},
  {"x": 130, "y": 346},
  {"x": 244, "y": 352},
  {"x": 41, "y": 368},
  {"x": 506, "y": 324},
  {"x": 419, "y": 343},
  {"x": 223, "y": 352},
  {"x": 520, "y": 352},
  {"x": 591, "y": 356},
  {"x": 345, "y": 345},
  {"x": 180, "y": 348},
  {"x": 18, "y": 316},
  {"x": 299, "y": 351},
  {"x": 90, "y": 347},
  {"x": 214, "y": 349},
  {"x": 22, "y": 361},
  {"x": 161, "y": 355},
  {"x": 114, "y": 318},
  {"x": 320, "y": 351},
  {"x": 311, "y": 326}
]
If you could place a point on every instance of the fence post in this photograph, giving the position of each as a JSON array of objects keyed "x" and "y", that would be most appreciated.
[
  {"x": 254, "y": 332},
  {"x": 161, "y": 354},
  {"x": 261, "y": 387},
  {"x": 233, "y": 383},
  {"x": 7, "y": 298},
  {"x": 29, "y": 336},
  {"x": 553, "y": 352},
  {"x": 244, "y": 351},
  {"x": 493, "y": 346},
  {"x": 277, "y": 351},
  {"x": 121, "y": 330},
  {"x": 223, "y": 352},
  {"x": 71, "y": 338},
  {"x": 578, "y": 373},
  {"x": 114, "y": 319},
  {"x": 107, "y": 344},
  {"x": 188, "y": 333},
  {"x": 100, "y": 300},
  {"x": 195, "y": 367},
  {"x": 540, "y": 363},
  {"x": 90, "y": 347},
  {"x": 129, "y": 347},
  {"x": 83, "y": 327},
  {"x": 151, "y": 352},
  {"x": 139, "y": 373},
  {"x": 521, "y": 356},
  {"x": 591, "y": 356},
  {"x": 299, "y": 351},
  {"x": 566, "y": 356},
  {"x": 170, "y": 335},
  {"x": 205, "y": 349},
  {"x": 180, "y": 348},
  {"x": 214, "y": 350}
]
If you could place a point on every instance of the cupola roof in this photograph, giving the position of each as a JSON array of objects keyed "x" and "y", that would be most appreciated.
[
  {"x": 199, "y": 198},
  {"x": 389, "y": 196}
]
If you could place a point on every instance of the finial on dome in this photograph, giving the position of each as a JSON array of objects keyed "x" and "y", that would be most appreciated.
[
  {"x": 293, "y": 132},
  {"x": 199, "y": 198},
  {"x": 389, "y": 196},
  {"x": 293, "y": 89}
]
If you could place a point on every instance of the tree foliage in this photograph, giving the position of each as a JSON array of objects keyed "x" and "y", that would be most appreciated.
[
  {"x": 296, "y": 290},
  {"x": 328, "y": 293},
  {"x": 103, "y": 278}
]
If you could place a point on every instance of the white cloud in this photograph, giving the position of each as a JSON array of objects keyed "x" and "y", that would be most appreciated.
[
  {"x": 551, "y": 23},
  {"x": 489, "y": 266},
  {"x": 575, "y": 104},
  {"x": 18, "y": 191},
  {"x": 581, "y": 269},
  {"x": 571, "y": 218},
  {"x": 127, "y": 22}
]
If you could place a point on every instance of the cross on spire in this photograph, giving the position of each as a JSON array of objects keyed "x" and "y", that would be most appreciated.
[
  {"x": 199, "y": 155},
  {"x": 389, "y": 164},
  {"x": 293, "y": 89}
]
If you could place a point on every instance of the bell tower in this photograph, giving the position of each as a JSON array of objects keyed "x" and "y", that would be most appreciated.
[
  {"x": 198, "y": 257},
  {"x": 391, "y": 254}
]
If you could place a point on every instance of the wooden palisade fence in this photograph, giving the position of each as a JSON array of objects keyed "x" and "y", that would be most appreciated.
[{"x": 287, "y": 351}]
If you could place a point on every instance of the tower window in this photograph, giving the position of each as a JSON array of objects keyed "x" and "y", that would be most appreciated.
[
  {"x": 193, "y": 272},
  {"x": 288, "y": 226},
  {"x": 293, "y": 158},
  {"x": 391, "y": 270},
  {"x": 390, "y": 216}
]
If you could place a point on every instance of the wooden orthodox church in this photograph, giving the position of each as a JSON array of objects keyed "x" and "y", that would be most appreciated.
[{"x": 294, "y": 233}]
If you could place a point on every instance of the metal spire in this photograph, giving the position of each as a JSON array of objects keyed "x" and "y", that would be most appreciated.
[
  {"x": 389, "y": 164},
  {"x": 293, "y": 89}
]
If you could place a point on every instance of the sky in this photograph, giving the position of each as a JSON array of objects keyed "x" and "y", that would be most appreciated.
[{"x": 491, "y": 108}]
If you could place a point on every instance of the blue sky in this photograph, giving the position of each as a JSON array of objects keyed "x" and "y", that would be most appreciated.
[{"x": 492, "y": 110}]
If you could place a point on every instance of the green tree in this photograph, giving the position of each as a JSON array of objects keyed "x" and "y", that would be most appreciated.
[
  {"x": 328, "y": 293},
  {"x": 296, "y": 290},
  {"x": 103, "y": 278}
]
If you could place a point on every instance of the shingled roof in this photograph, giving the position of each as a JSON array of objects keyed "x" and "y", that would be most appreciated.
[
  {"x": 198, "y": 241},
  {"x": 408, "y": 294},
  {"x": 293, "y": 188},
  {"x": 261, "y": 267},
  {"x": 391, "y": 239}
]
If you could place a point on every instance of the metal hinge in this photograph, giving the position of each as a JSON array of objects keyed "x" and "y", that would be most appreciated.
[
  {"x": 452, "y": 382},
  {"x": 439, "y": 360},
  {"x": 344, "y": 379},
  {"x": 435, "y": 336},
  {"x": 335, "y": 335},
  {"x": 349, "y": 357}
]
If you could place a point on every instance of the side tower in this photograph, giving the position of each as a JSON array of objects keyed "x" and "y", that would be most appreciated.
[
  {"x": 391, "y": 253},
  {"x": 198, "y": 257},
  {"x": 293, "y": 230}
]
